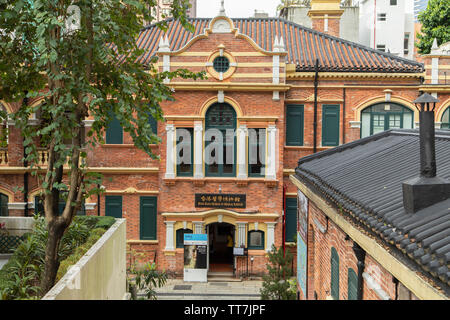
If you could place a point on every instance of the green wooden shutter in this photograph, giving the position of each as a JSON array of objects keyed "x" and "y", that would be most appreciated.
[
  {"x": 294, "y": 125},
  {"x": 180, "y": 237},
  {"x": 352, "y": 285},
  {"x": 291, "y": 219},
  {"x": 3, "y": 205},
  {"x": 153, "y": 124},
  {"x": 147, "y": 220},
  {"x": 330, "y": 125},
  {"x": 114, "y": 132},
  {"x": 334, "y": 274},
  {"x": 113, "y": 206},
  {"x": 186, "y": 169}
]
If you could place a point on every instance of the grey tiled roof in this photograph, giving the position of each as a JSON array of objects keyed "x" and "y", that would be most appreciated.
[{"x": 365, "y": 178}]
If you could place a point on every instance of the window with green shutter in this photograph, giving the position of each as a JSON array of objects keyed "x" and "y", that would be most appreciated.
[
  {"x": 39, "y": 206},
  {"x": 255, "y": 240},
  {"x": 113, "y": 206},
  {"x": 185, "y": 152},
  {"x": 291, "y": 219},
  {"x": 3, "y": 205},
  {"x": 334, "y": 274},
  {"x": 114, "y": 132},
  {"x": 445, "y": 121},
  {"x": 352, "y": 285},
  {"x": 180, "y": 237},
  {"x": 256, "y": 152},
  {"x": 330, "y": 125},
  {"x": 294, "y": 125},
  {"x": 153, "y": 124},
  {"x": 147, "y": 218}
]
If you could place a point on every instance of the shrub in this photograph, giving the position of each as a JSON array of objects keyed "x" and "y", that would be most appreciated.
[
  {"x": 79, "y": 252},
  {"x": 21, "y": 275},
  {"x": 277, "y": 284}
]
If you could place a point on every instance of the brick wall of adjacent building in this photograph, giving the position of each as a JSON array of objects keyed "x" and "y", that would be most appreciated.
[{"x": 320, "y": 245}]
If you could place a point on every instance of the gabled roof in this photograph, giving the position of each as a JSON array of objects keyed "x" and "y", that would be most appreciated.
[
  {"x": 302, "y": 44},
  {"x": 365, "y": 178}
]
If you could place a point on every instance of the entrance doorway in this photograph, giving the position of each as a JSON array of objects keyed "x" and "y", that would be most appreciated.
[{"x": 221, "y": 243}]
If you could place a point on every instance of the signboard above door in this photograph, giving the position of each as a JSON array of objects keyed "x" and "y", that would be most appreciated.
[{"x": 220, "y": 200}]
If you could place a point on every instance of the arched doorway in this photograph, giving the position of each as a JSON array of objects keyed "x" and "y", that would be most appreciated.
[
  {"x": 384, "y": 116},
  {"x": 221, "y": 242}
]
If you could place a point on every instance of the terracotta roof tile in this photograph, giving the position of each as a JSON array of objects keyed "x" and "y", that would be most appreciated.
[{"x": 303, "y": 46}]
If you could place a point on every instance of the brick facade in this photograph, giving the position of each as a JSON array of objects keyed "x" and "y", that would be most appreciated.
[{"x": 250, "y": 90}]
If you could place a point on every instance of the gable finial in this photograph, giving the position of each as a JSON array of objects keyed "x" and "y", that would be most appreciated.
[{"x": 222, "y": 8}]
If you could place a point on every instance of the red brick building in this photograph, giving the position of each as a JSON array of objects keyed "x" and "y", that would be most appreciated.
[
  {"x": 362, "y": 241},
  {"x": 303, "y": 90}
]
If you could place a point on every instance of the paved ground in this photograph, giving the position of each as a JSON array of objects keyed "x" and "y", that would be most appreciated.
[{"x": 177, "y": 289}]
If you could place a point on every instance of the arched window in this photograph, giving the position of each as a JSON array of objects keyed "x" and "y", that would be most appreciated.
[
  {"x": 114, "y": 132},
  {"x": 384, "y": 116},
  {"x": 352, "y": 285},
  {"x": 445, "y": 121},
  {"x": 220, "y": 146},
  {"x": 334, "y": 274},
  {"x": 180, "y": 236},
  {"x": 256, "y": 240},
  {"x": 3, "y": 205}
]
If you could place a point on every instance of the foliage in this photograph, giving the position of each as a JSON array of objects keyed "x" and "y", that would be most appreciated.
[
  {"x": 82, "y": 58},
  {"x": 277, "y": 284},
  {"x": 435, "y": 20},
  {"x": 20, "y": 277},
  {"x": 144, "y": 277}
]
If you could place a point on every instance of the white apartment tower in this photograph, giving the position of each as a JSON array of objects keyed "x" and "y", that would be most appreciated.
[
  {"x": 388, "y": 25},
  {"x": 162, "y": 10}
]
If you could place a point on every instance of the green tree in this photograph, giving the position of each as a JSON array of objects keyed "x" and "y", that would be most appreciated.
[
  {"x": 435, "y": 20},
  {"x": 81, "y": 56},
  {"x": 277, "y": 284}
]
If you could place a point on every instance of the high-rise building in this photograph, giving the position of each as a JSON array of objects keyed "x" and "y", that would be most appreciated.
[
  {"x": 162, "y": 10},
  {"x": 385, "y": 25},
  {"x": 388, "y": 25}
]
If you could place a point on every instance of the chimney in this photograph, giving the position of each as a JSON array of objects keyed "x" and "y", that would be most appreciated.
[
  {"x": 426, "y": 189},
  {"x": 326, "y": 16}
]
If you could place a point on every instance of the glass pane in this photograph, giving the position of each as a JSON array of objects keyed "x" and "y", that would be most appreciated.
[
  {"x": 395, "y": 121},
  {"x": 255, "y": 239},
  {"x": 446, "y": 119},
  {"x": 377, "y": 123},
  {"x": 407, "y": 120},
  {"x": 365, "y": 124}
]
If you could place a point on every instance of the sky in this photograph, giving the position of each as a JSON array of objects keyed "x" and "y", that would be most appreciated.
[{"x": 236, "y": 8}]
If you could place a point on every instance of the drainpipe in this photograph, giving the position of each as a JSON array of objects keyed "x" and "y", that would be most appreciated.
[
  {"x": 98, "y": 201},
  {"x": 343, "y": 117},
  {"x": 316, "y": 82},
  {"x": 25, "y": 164},
  {"x": 361, "y": 257},
  {"x": 284, "y": 220}
]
